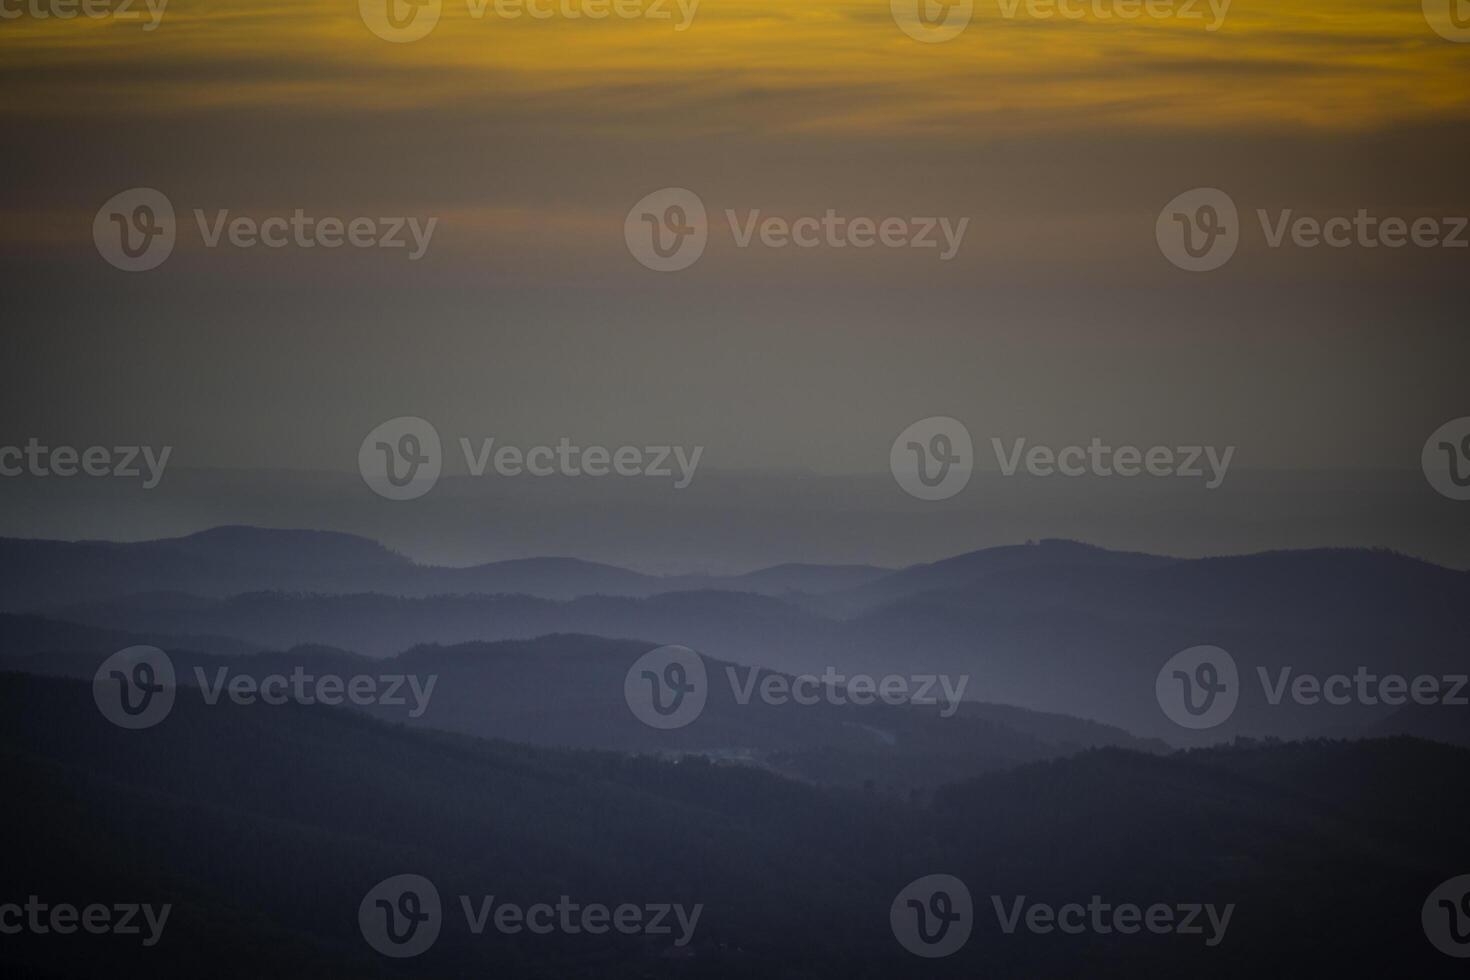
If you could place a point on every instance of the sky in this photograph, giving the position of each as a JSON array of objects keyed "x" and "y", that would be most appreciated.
[{"x": 528, "y": 142}]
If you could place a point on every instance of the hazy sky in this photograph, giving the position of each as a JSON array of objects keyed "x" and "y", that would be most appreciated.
[{"x": 529, "y": 320}]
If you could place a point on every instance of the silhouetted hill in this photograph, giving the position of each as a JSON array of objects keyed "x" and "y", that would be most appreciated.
[
  {"x": 1056, "y": 626},
  {"x": 977, "y": 569},
  {"x": 380, "y": 625},
  {"x": 1082, "y": 633},
  {"x": 806, "y": 579},
  {"x": 567, "y": 691},
  {"x": 39, "y": 575},
  {"x": 272, "y": 548},
  {"x": 555, "y": 578},
  {"x": 1435, "y": 723},
  {"x": 1089, "y": 641},
  {"x": 39, "y": 636},
  {"x": 36, "y": 574}
]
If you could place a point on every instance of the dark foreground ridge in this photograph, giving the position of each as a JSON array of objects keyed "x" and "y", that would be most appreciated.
[{"x": 265, "y": 827}]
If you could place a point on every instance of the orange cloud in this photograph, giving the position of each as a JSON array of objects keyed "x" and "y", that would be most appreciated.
[{"x": 759, "y": 66}]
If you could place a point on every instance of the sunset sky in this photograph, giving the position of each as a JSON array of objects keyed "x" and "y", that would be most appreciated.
[
  {"x": 530, "y": 140},
  {"x": 759, "y": 68}
]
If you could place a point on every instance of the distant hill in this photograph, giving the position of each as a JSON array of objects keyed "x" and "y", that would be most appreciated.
[
  {"x": 36, "y": 574},
  {"x": 380, "y": 625},
  {"x": 39, "y": 575},
  {"x": 1088, "y": 640},
  {"x": 1056, "y": 627},
  {"x": 978, "y": 569},
  {"x": 1436, "y": 723},
  {"x": 805, "y": 579},
  {"x": 567, "y": 691},
  {"x": 38, "y": 636},
  {"x": 1052, "y": 627}
]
